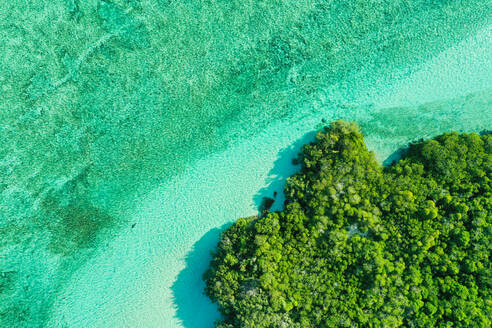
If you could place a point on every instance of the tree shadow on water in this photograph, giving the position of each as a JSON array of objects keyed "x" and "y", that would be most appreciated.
[
  {"x": 282, "y": 169},
  {"x": 193, "y": 308},
  {"x": 395, "y": 156}
]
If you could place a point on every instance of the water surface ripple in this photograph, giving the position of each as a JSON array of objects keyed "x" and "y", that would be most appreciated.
[{"x": 132, "y": 131}]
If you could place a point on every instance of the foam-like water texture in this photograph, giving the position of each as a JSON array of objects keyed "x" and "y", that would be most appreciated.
[{"x": 129, "y": 129}]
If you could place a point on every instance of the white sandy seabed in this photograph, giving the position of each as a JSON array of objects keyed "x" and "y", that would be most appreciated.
[{"x": 150, "y": 276}]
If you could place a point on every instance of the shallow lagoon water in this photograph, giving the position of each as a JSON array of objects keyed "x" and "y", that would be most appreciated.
[
  {"x": 178, "y": 222},
  {"x": 131, "y": 143}
]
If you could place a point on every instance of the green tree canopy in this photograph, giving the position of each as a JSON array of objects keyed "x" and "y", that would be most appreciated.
[{"x": 361, "y": 245}]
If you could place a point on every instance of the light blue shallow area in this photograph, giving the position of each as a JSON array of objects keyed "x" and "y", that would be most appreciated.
[
  {"x": 134, "y": 131},
  {"x": 151, "y": 276}
]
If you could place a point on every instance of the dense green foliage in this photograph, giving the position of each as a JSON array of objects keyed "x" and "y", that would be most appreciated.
[{"x": 361, "y": 245}]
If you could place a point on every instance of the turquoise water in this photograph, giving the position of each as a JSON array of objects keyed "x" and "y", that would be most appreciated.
[{"x": 133, "y": 132}]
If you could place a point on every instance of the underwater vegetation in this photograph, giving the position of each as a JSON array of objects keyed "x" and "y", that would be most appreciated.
[
  {"x": 39, "y": 237},
  {"x": 100, "y": 98},
  {"x": 359, "y": 244}
]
